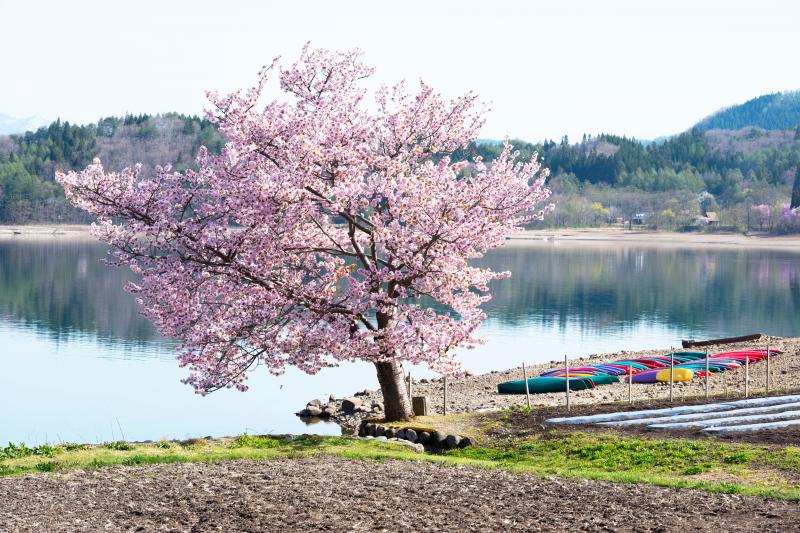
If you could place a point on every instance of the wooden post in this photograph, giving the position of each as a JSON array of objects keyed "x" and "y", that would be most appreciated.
[
  {"x": 566, "y": 371},
  {"x": 768, "y": 369},
  {"x": 707, "y": 374},
  {"x": 444, "y": 409},
  {"x": 630, "y": 384},
  {"x": 527, "y": 392},
  {"x": 671, "y": 372},
  {"x": 747, "y": 376}
]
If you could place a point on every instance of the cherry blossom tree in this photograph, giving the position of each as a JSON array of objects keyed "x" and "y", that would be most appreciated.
[{"x": 330, "y": 228}]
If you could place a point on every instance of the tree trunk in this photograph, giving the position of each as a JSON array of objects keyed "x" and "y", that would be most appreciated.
[
  {"x": 396, "y": 403},
  {"x": 796, "y": 189}
]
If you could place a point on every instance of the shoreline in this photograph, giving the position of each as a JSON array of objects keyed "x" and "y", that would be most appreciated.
[
  {"x": 478, "y": 393},
  {"x": 576, "y": 236}
]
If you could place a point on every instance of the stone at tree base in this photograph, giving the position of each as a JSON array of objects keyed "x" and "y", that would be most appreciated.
[
  {"x": 423, "y": 436},
  {"x": 362, "y": 430},
  {"x": 452, "y": 441},
  {"x": 381, "y": 438},
  {"x": 411, "y": 435},
  {"x": 390, "y": 433},
  {"x": 349, "y": 404},
  {"x": 371, "y": 428},
  {"x": 401, "y": 434},
  {"x": 438, "y": 438},
  {"x": 467, "y": 441},
  {"x": 379, "y": 405},
  {"x": 380, "y": 431}
]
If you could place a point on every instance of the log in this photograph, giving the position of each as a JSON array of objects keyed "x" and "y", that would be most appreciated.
[{"x": 727, "y": 340}]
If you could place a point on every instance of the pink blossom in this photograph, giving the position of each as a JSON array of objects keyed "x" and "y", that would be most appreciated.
[{"x": 321, "y": 230}]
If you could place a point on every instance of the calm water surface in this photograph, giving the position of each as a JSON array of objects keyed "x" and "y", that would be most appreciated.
[{"x": 77, "y": 363}]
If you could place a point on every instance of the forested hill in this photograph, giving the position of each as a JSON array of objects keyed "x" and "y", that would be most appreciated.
[
  {"x": 775, "y": 111},
  {"x": 602, "y": 175},
  {"x": 28, "y": 191}
]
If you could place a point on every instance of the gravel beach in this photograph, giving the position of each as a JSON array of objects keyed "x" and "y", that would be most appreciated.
[
  {"x": 479, "y": 392},
  {"x": 330, "y": 494}
]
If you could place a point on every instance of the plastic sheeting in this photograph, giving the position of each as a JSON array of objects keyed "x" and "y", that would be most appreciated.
[
  {"x": 671, "y": 411},
  {"x": 752, "y": 427},
  {"x": 687, "y": 419}
]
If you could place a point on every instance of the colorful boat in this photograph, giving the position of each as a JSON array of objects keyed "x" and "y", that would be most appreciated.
[{"x": 541, "y": 385}]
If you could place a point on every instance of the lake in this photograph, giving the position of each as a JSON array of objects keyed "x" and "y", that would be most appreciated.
[{"x": 79, "y": 364}]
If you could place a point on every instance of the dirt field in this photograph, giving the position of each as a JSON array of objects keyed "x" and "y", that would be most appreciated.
[{"x": 342, "y": 495}]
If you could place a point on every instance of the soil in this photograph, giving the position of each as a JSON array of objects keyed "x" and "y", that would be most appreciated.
[{"x": 331, "y": 494}]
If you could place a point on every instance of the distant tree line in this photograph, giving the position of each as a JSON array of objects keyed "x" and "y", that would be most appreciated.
[
  {"x": 28, "y": 192},
  {"x": 596, "y": 180}
]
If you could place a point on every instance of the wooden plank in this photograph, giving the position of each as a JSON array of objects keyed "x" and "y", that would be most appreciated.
[{"x": 728, "y": 340}]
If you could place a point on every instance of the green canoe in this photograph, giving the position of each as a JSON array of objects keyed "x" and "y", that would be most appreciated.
[{"x": 544, "y": 384}]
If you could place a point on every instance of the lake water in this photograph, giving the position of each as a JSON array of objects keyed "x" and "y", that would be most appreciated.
[{"x": 77, "y": 363}]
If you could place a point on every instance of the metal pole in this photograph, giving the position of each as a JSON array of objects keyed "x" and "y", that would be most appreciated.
[
  {"x": 671, "y": 372},
  {"x": 747, "y": 376},
  {"x": 768, "y": 369},
  {"x": 566, "y": 371},
  {"x": 409, "y": 386},
  {"x": 444, "y": 410},
  {"x": 527, "y": 392},
  {"x": 630, "y": 384},
  {"x": 707, "y": 374}
]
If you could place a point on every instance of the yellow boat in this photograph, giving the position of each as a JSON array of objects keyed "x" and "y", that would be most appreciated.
[{"x": 680, "y": 374}]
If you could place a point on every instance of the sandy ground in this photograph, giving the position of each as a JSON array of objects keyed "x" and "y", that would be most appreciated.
[
  {"x": 586, "y": 236},
  {"x": 604, "y": 236},
  {"x": 479, "y": 393},
  {"x": 331, "y": 494}
]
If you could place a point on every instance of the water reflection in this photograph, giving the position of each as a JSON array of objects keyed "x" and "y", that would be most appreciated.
[{"x": 78, "y": 363}]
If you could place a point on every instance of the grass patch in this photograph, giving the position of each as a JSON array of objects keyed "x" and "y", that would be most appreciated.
[{"x": 708, "y": 465}]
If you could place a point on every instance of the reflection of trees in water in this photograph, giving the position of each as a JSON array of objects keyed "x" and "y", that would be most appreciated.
[
  {"x": 736, "y": 291},
  {"x": 61, "y": 287}
]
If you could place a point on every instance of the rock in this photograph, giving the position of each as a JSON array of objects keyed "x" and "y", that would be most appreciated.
[
  {"x": 381, "y": 438},
  {"x": 376, "y": 403},
  {"x": 313, "y": 410},
  {"x": 371, "y": 428},
  {"x": 362, "y": 430},
  {"x": 424, "y": 436},
  {"x": 303, "y": 413},
  {"x": 401, "y": 434},
  {"x": 390, "y": 433},
  {"x": 349, "y": 405},
  {"x": 376, "y": 410},
  {"x": 365, "y": 392},
  {"x": 331, "y": 398},
  {"x": 328, "y": 412},
  {"x": 380, "y": 431},
  {"x": 418, "y": 448},
  {"x": 315, "y": 403},
  {"x": 438, "y": 438},
  {"x": 452, "y": 441},
  {"x": 467, "y": 441},
  {"x": 411, "y": 435}
]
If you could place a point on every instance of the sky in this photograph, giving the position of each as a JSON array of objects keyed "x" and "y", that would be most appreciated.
[{"x": 639, "y": 68}]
